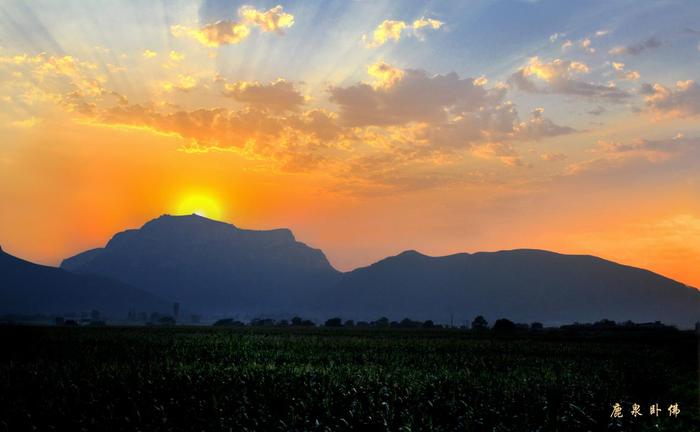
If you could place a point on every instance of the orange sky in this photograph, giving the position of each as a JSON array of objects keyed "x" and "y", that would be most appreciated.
[{"x": 378, "y": 154}]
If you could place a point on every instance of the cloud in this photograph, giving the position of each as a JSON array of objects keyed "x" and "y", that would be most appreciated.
[
  {"x": 597, "y": 111},
  {"x": 295, "y": 143},
  {"x": 385, "y": 74},
  {"x": 443, "y": 113},
  {"x": 556, "y": 36},
  {"x": 402, "y": 96},
  {"x": 637, "y": 48},
  {"x": 226, "y": 32},
  {"x": 553, "y": 157},
  {"x": 273, "y": 20},
  {"x": 683, "y": 100},
  {"x": 538, "y": 127},
  {"x": 216, "y": 34},
  {"x": 176, "y": 56},
  {"x": 394, "y": 29},
  {"x": 653, "y": 150},
  {"x": 612, "y": 156},
  {"x": 559, "y": 77},
  {"x": 396, "y": 132},
  {"x": 555, "y": 70},
  {"x": 26, "y": 123},
  {"x": 621, "y": 73},
  {"x": 279, "y": 95},
  {"x": 387, "y": 30},
  {"x": 427, "y": 23},
  {"x": 601, "y": 33},
  {"x": 47, "y": 78},
  {"x": 583, "y": 44},
  {"x": 149, "y": 54},
  {"x": 499, "y": 151},
  {"x": 183, "y": 83},
  {"x": 422, "y": 24},
  {"x": 586, "y": 45}
]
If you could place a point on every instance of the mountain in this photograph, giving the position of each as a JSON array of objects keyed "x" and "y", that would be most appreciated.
[
  {"x": 523, "y": 285},
  {"x": 29, "y": 289},
  {"x": 213, "y": 267}
]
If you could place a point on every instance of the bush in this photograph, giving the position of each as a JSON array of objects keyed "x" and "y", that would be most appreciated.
[
  {"x": 504, "y": 326},
  {"x": 228, "y": 322},
  {"x": 334, "y": 322}
]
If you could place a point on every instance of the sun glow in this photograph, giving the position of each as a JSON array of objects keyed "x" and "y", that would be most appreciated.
[{"x": 201, "y": 205}]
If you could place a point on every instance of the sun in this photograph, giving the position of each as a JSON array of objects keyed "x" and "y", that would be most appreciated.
[{"x": 201, "y": 205}]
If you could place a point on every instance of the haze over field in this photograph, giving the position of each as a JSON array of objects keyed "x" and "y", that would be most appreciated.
[{"x": 367, "y": 128}]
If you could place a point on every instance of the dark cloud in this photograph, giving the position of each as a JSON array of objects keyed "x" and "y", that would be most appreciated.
[
  {"x": 410, "y": 96},
  {"x": 637, "y": 48}
]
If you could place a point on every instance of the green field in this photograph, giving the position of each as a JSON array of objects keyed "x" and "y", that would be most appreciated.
[{"x": 211, "y": 379}]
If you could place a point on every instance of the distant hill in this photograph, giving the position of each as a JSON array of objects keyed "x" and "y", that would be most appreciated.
[
  {"x": 522, "y": 285},
  {"x": 214, "y": 267},
  {"x": 28, "y": 289}
]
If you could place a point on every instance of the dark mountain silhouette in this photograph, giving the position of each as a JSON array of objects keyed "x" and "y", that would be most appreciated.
[
  {"x": 28, "y": 289},
  {"x": 213, "y": 267},
  {"x": 524, "y": 285}
]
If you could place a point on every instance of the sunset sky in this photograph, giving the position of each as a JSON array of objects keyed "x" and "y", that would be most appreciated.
[{"x": 366, "y": 127}]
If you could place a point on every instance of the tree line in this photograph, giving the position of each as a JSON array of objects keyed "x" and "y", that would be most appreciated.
[{"x": 478, "y": 324}]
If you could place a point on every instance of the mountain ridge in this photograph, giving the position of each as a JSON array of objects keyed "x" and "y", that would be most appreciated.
[
  {"x": 29, "y": 288},
  {"x": 211, "y": 265},
  {"x": 216, "y": 268},
  {"x": 523, "y": 284}
]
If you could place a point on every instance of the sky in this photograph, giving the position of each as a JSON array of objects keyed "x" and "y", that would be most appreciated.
[{"x": 366, "y": 127}]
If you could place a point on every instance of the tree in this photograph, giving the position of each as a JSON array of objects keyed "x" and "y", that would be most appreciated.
[
  {"x": 428, "y": 324},
  {"x": 334, "y": 322},
  {"x": 296, "y": 321},
  {"x": 536, "y": 326},
  {"x": 480, "y": 323},
  {"x": 408, "y": 323},
  {"x": 504, "y": 326},
  {"x": 381, "y": 322},
  {"x": 228, "y": 322}
]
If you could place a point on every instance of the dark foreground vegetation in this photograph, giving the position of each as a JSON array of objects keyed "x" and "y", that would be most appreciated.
[{"x": 335, "y": 379}]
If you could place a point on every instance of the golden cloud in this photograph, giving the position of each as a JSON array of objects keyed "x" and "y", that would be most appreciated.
[
  {"x": 216, "y": 34},
  {"x": 183, "y": 83},
  {"x": 621, "y": 73},
  {"x": 498, "y": 151},
  {"x": 279, "y": 95},
  {"x": 401, "y": 127},
  {"x": 683, "y": 100},
  {"x": 560, "y": 76},
  {"x": 427, "y": 22},
  {"x": 227, "y": 32},
  {"x": 385, "y": 74},
  {"x": 393, "y": 29},
  {"x": 273, "y": 20}
]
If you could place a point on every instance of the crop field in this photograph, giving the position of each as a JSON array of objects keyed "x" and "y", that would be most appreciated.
[{"x": 226, "y": 379}]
